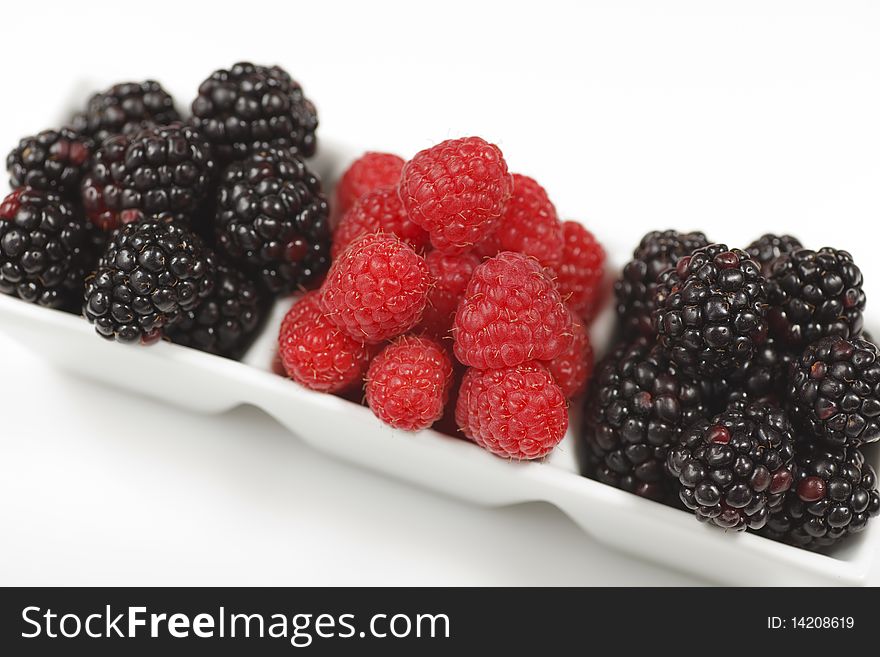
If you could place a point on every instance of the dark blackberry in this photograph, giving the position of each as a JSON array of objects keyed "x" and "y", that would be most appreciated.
[
  {"x": 150, "y": 274},
  {"x": 637, "y": 405},
  {"x": 834, "y": 495},
  {"x": 813, "y": 294},
  {"x": 764, "y": 377},
  {"x": 226, "y": 322},
  {"x": 167, "y": 169},
  {"x": 46, "y": 248},
  {"x": 710, "y": 310},
  {"x": 769, "y": 247},
  {"x": 53, "y": 160},
  {"x": 657, "y": 252},
  {"x": 249, "y": 108},
  {"x": 272, "y": 219},
  {"x": 735, "y": 468},
  {"x": 834, "y": 392},
  {"x": 124, "y": 109}
]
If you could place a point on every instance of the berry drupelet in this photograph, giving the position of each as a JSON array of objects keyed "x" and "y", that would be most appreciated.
[
  {"x": 834, "y": 495},
  {"x": 634, "y": 292},
  {"x": 769, "y": 247},
  {"x": 710, "y": 310},
  {"x": 813, "y": 294},
  {"x": 272, "y": 219},
  {"x": 126, "y": 108},
  {"x": 249, "y": 108},
  {"x": 53, "y": 160},
  {"x": 637, "y": 406},
  {"x": 226, "y": 322},
  {"x": 735, "y": 468},
  {"x": 159, "y": 170},
  {"x": 150, "y": 274},
  {"x": 46, "y": 248},
  {"x": 834, "y": 392}
]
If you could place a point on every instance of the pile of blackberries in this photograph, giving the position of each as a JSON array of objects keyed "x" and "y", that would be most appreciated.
[{"x": 742, "y": 387}]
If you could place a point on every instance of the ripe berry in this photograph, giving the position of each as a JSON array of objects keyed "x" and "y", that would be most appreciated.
[
  {"x": 813, "y": 294},
  {"x": 315, "y": 353},
  {"x": 451, "y": 275},
  {"x": 377, "y": 211},
  {"x": 514, "y": 412},
  {"x": 571, "y": 369},
  {"x": 528, "y": 225},
  {"x": 369, "y": 172},
  {"x": 834, "y": 392},
  {"x": 511, "y": 313},
  {"x": 710, "y": 310},
  {"x": 124, "y": 109},
  {"x": 581, "y": 270},
  {"x": 407, "y": 384},
  {"x": 456, "y": 191},
  {"x": 768, "y": 248},
  {"x": 377, "y": 289},
  {"x": 54, "y": 160}
]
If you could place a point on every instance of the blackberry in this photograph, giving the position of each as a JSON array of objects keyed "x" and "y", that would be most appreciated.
[
  {"x": 158, "y": 170},
  {"x": 53, "y": 160},
  {"x": 46, "y": 248},
  {"x": 710, "y": 310},
  {"x": 769, "y": 247},
  {"x": 764, "y": 377},
  {"x": 249, "y": 108},
  {"x": 150, "y": 274},
  {"x": 813, "y": 294},
  {"x": 634, "y": 292},
  {"x": 637, "y": 405},
  {"x": 272, "y": 219},
  {"x": 124, "y": 109},
  {"x": 735, "y": 468},
  {"x": 226, "y": 322},
  {"x": 834, "y": 392},
  {"x": 834, "y": 495}
]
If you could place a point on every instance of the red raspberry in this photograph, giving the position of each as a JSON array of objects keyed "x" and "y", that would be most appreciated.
[
  {"x": 451, "y": 275},
  {"x": 368, "y": 172},
  {"x": 514, "y": 412},
  {"x": 528, "y": 225},
  {"x": 377, "y": 289},
  {"x": 579, "y": 276},
  {"x": 572, "y": 368},
  {"x": 456, "y": 191},
  {"x": 378, "y": 211},
  {"x": 511, "y": 313},
  {"x": 408, "y": 383},
  {"x": 317, "y": 354}
]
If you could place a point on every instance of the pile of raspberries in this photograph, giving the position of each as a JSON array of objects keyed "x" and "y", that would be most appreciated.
[
  {"x": 742, "y": 387},
  {"x": 456, "y": 298}
]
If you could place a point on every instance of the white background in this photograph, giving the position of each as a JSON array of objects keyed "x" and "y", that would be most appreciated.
[{"x": 735, "y": 118}]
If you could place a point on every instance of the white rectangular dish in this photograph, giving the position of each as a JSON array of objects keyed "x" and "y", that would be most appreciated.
[{"x": 644, "y": 529}]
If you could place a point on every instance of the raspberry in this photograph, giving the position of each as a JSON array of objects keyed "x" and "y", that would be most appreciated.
[
  {"x": 514, "y": 412},
  {"x": 511, "y": 313},
  {"x": 315, "y": 353},
  {"x": 408, "y": 383},
  {"x": 579, "y": 275},
  {"x": 451, "y": 274},
  {"x": 528, "y": 225},
  {"x": 572, "y": 368},
  {"x": 456, "y": 191},
  {"x": 377, "y": 289},
  {"x": 377, "y": 211},
  {"x": 367, "y": 173}
]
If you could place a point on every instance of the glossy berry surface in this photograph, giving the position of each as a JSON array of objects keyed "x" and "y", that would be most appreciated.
[
  {"x": 457, "y": 191},
  {"x": 511, "y": 313},
  {"x": 768, "y": 248},
  {"x": 378, "y": 211},
  {"x": 636, "y": 408},
  {"x": 124, "y": 109},
  {"x": 407, "y": 384},
  {"x": 53, "y": 160},
  {"x": 834, "y": 392},
  {"x": 735, "y": 469},
  {"x": 710, "y": 310}
]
